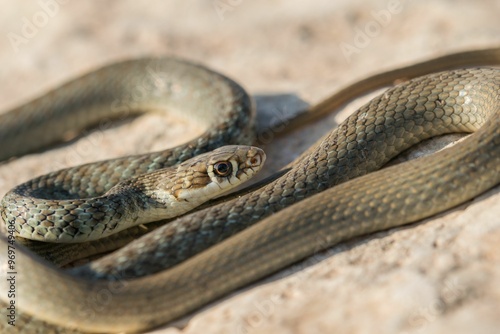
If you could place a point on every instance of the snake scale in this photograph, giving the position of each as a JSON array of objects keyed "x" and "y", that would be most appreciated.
[{"x": 335, "y": 195}]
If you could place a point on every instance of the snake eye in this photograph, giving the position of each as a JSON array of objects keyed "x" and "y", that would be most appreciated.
[{"x": 223, "y": 168}]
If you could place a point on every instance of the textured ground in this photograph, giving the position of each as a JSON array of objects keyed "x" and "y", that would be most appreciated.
[{"x": 433, "y": 277}]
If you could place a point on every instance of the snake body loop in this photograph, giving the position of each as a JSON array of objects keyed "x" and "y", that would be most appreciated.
[
  {"x": 121, "y": 90},
  {"x": 453, "y": 101}
]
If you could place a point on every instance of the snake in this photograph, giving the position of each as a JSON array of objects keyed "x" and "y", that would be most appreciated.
[
  {"x": 333, "y": 192},
  {"x": 161, "y": 194}
]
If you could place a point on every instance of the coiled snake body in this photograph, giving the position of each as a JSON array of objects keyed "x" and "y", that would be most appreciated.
[{"x": 453, "y": 101}]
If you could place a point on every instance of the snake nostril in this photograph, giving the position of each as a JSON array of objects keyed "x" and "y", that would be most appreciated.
[{"x": 255, "y": 161}]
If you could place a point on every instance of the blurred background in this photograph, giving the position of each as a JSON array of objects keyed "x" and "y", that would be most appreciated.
[{"x": 432, "y": 278}]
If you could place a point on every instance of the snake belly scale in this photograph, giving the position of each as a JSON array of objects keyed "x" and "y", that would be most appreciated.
[{"x": 452, "y": 101}]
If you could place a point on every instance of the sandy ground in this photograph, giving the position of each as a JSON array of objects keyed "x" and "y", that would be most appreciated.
[{"x": 433, "y": 277}]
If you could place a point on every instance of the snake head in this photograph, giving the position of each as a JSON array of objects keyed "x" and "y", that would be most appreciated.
[{"x": 211, "y": 174}]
